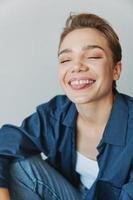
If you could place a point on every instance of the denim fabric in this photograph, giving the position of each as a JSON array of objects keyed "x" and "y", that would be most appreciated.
[
  {"x": 52, "y": 130},
  {"x": 34, "y": 179}
]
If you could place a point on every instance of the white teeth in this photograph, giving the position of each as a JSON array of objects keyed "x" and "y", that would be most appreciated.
[
  {"x": 83, "y": 81},
  {"x": 80, "y": 82},
  {"x": 74, "y": 83}
]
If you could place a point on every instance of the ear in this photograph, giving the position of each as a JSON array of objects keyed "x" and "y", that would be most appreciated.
[{"x": 117, "y": 71}]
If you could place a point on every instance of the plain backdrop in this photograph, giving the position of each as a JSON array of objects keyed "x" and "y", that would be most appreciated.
[{"x": 29, "y": 36}]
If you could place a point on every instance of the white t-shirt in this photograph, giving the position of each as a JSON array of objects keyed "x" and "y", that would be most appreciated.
[{"x": 88, "y": 170}]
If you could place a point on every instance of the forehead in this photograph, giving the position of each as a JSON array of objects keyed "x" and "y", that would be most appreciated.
[{"x": 83, "y": 37}]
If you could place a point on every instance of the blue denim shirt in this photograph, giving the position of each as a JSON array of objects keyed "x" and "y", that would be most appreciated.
[{"x": 52, "y": 130}]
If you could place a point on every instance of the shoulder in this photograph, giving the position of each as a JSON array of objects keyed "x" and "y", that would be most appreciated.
[
  {"x": 126, "y": 117},
  {"x": 127, "y": 97},
  {"x": 129, "y": 103},
  {"x": 128, "y": 100}
]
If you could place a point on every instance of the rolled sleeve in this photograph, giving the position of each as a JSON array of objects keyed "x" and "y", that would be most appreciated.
[
  {"x": 19, "y": 143},
  {"x": 4, "y": 172},
  {"x": 127, "y": 189},
  {"x": 127, "y": 192}
]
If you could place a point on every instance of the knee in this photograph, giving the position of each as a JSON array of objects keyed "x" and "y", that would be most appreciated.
[
  {"x": 29, "y": 169},
  {"x": 21, "y": 173},
  {"x": 22, "y": 180}
]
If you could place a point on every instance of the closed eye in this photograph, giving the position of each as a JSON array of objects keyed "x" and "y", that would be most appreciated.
[
  {"x": 64, "y": 61},
  {"x": 94, "y": 57}
]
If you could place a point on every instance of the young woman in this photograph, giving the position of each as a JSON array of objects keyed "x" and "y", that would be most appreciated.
[{"x": 86, "y": 134}]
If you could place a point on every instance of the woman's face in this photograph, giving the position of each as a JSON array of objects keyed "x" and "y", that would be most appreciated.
[{"x": 86, "y": 69}]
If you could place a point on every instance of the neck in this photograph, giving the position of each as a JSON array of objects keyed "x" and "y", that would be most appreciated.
[{"x": 97, "y": 112}]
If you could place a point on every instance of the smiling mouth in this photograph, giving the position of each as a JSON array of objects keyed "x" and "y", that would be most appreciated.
[{"x": 81, "y": 83}]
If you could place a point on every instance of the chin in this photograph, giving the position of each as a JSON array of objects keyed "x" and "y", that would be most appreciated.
[{"x": 80, "y": 100}]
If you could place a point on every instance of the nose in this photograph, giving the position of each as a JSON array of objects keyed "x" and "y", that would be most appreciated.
[{"x": 78, "y": 66}]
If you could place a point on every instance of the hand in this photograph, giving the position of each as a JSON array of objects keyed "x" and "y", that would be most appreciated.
[{"x": 4, "y": 194}]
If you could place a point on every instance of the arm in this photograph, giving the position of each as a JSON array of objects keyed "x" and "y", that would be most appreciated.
[
  {"x": 21, "y": 142},
  {"x": 127, "y": 192},
  {"x": 127, "y": 189}
]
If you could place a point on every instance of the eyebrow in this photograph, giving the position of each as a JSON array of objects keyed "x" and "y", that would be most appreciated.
[{"x": 87, "y": 47}]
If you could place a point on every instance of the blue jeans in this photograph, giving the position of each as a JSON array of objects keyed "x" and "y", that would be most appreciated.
[{"x": 34, "y": 179}]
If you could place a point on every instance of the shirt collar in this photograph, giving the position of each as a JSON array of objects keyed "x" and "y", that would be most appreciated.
[
  {"x": 115, "y": 130},
  {"x": 70, "y": 117}
]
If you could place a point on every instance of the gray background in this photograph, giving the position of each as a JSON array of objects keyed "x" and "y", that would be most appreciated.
[{"x": 29, "y": 36}]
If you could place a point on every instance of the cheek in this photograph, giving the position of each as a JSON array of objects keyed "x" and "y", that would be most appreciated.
[
  {"x": 61, "y": 75},
  {"x": 61, "y": 80},
  {"x": 60, "y": 72},
  {"x": 64, "y": 73},
  {"x": 105, "y": 70}
]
